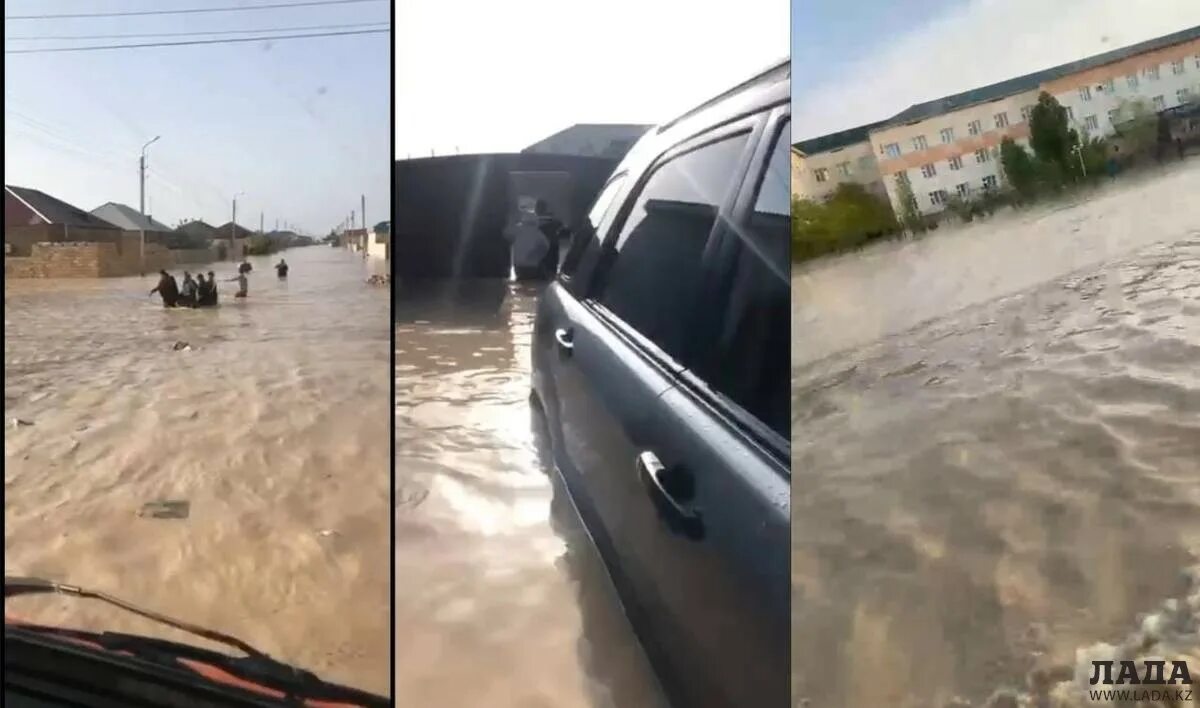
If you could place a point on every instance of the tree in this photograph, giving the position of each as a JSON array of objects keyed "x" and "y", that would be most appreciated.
[
  {"x": 1051, "y": 136},
  {"x": 910, "y": 213},
  {"x": 850, "y": 217},
  {"x": 1019, "y": 169},
  {"x": 1137, "y": 125}
]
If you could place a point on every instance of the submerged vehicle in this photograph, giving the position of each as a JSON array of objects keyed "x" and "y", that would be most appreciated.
[
  {"x": 661, "y": 368},
  {"x": 48, "y": 666}
]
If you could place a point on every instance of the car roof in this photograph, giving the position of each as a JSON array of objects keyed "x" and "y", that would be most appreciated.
[{"x": 766, "y": 88}]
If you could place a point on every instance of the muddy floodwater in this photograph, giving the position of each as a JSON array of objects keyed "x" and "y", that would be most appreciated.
[
  {"x": 501, "y": 600},
  {"x": 996, "y": 448},
  {"x": 269, "y": 417}
]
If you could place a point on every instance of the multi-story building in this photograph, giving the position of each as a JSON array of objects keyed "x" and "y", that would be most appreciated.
[
  {"x": 950, "y": 146},
  {"x": 821, "y": 164}
]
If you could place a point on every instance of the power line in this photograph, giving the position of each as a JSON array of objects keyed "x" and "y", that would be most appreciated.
[
  {"x": 187, "y": 11},
  {"x": 197, "y": 34},
  {"x": 235, "y": 40}
]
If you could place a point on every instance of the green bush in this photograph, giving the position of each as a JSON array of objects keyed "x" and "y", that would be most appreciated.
[{"x": 848, "y": 219}]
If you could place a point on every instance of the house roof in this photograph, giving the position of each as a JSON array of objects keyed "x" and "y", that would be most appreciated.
[
  {"x": 128, "y": 218},
  {"x": 197, "y": 228},
  {"x": 239, "y": 232},
  {"x": 1028, "y": 82},
  {"x": 837, "y": 140},
  {"x": 56, "y": 211}
]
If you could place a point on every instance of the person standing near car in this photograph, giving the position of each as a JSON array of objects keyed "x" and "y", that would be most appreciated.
[
  {"x": 529, "y": 246},
  {"x": 552, "y": 229}
]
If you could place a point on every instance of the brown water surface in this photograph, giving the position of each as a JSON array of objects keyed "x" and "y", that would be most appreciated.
[{"x": 272, "y": 424}]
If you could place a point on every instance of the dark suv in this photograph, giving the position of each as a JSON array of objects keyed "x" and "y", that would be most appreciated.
[{"x": 660, "y": 362}]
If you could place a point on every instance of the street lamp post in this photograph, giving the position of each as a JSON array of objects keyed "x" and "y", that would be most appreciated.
[{"x": 142, "y": 204}]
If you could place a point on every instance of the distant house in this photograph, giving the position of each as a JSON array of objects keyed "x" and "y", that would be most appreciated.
[
  {"x": 611, "y": 140},
  {"x": 31, "y": 207},
  {"x": 379, "y": 241},
  {"x": 128, "y": 218},
  {"x": 230, "y": 230},
  {"x": 45, "y": 237},
  {"x": 197, "y": 231},
  {"x": 32, "y": 216}
]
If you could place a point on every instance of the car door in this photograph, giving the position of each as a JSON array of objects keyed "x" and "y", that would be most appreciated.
[
  {"x": 621, "y": 348},
  {"x": 720, "y": 460}
]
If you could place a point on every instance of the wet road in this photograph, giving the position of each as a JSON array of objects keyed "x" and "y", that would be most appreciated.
[
  {"x": 273, "y": 426},
  {"x": 996, "y": 447},
  {"x": 500, "y": 598}
]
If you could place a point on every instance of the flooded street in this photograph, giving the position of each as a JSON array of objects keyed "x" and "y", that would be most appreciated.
[
  {"x": 501, "y": 600},
  {"x": 271, "y": 423},
  {"x": 996, "y": 448}
]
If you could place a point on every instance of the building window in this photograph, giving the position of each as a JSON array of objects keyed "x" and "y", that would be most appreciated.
[
  {"x": 1177, "y": 67},
  {"x": 974, "y": 127},
  {"x": 1151, "y": 73},
  {"x": 1091, "y": 122},
  {"x": 1159, "y": 103},
  {"x": 928, "y": 170},
  {"x": 956, "y": 163},
  {"x": 1070, "y": 113},
  {"x": 982, "y": 156},
  {"x": 989, "y": 182},
  {"x": 947, "y": 135},
  {"x": 1132, "y": 80},
  {"x": 1002, "y": 119},
  {"x": 938, "y": 197},
  {"x": 821, "y": 174},
  {"x": 1110, "y": 87},
  {"x": 1112, "y": 116},
  {"x": 892, "y": 149},
  {"x": 919, "y": 143},
  {"x": 963, "y": 190},
  {"x": 1027, "y": 113},
  {"x": 1085, "y": 93},
  {"x": 1198, "y": 61},
  {"x": 844, "y": 168},
  {"x": 1183, "y": 95}
]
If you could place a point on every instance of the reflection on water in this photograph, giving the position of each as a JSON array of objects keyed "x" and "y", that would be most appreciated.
[
  {"x": 273, "y": 424},
  {"x": 500, "y": 598},
  {"x": 984, "y": 494}
]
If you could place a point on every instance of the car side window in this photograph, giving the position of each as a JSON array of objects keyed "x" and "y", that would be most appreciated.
[
  {"x": 749, "y": 362},
  {"x": 655, "y": 272},
  {"x": 588, "y": 236}
]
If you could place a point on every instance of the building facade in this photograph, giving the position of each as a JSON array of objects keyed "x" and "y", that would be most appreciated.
[{"x": 949, "y": 146}]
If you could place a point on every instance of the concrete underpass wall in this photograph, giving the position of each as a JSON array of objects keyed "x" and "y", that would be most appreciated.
[{"x": 451, "y": 212}]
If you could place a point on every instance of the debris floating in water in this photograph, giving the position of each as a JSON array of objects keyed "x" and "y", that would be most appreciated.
[
  {"x": 18, "y": 422},
  {"x": 182, "y": 346},
  {"x": 166, "y": 509},
  {"x": 379, "y": 280}
]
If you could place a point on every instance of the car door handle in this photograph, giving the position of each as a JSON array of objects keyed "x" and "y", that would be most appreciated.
[
  {"x": 671, "y": 490},
  {"x": 565, "y": 338}
]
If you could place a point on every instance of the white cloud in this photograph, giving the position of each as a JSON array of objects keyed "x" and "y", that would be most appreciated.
[
  {"x": 497, "y": 76},
  {"x": 983, "y": 42}
]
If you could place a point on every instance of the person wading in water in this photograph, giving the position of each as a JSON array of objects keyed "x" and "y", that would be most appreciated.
[
  {"x": 243, "y": 283},
  {"x": 187, "y": 291},
  {"x": 281, "y": 269},
  {"x": 167, "y": 288}
]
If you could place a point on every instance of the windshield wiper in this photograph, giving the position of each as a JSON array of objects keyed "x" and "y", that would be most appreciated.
[{"x": 255, "y": 666}]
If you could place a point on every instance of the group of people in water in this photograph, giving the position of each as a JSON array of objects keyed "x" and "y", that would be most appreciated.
[{"x": 201, "y": 291}]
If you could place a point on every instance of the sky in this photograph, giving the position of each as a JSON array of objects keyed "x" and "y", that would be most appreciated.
[
  {"x": 301, "y": 126},
  {"x": 474, "y": 76},
  {"x": 859, "y": 61}
]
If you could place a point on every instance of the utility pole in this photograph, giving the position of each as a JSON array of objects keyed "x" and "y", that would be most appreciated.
[
  {"x": 142, "y": 205},
  {"x": 260, "y": 223},
  {"x": 366, "y": 231},
  {"x": 233, "y": 225}
]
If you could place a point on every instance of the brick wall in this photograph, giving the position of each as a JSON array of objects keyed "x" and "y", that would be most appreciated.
[
  {"x": 194, "y": 255},
  {"x": 70, "y": 259}
]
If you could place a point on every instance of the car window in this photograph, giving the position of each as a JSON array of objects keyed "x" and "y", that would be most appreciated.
[
  {"x": 749, "y": 362},
  {"x": 653, "y": 277},
  {"x": 590, "y": 233}
]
